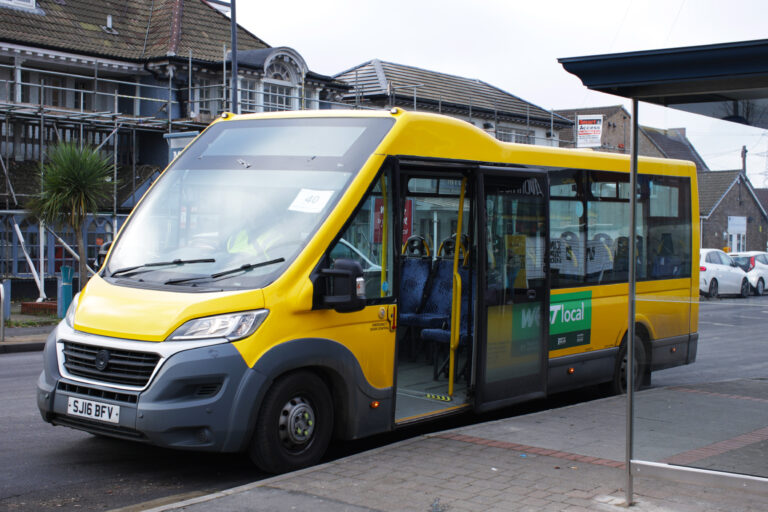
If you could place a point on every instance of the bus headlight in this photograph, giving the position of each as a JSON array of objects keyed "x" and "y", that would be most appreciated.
[
  {"x": 232, "y": 326},
  {"x": 69, "y": 318}
]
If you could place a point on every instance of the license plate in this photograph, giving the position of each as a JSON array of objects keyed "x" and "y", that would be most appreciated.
[{"x": 93, "y": 410}]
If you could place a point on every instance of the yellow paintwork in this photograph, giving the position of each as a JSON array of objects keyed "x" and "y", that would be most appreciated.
[{"x": 150, "y": 315}]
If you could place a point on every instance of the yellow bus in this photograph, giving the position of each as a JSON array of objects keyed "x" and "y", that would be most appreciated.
[{"x": 298, "y": 277}]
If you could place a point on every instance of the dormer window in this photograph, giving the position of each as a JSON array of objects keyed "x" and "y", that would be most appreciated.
[
  {"x": 279, "y": 71},
  {"x": 280, "y": 85}
]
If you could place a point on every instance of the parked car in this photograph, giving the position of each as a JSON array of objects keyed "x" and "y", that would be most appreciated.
[
  {"x": 755, "y": 264},
  {"x": 720, "y": 275}
]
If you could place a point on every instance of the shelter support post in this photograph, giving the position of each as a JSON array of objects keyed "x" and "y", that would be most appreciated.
[{"x": 631, "y": 301}]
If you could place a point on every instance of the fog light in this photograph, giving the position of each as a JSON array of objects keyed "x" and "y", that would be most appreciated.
[{"x": 203, "y": 435}]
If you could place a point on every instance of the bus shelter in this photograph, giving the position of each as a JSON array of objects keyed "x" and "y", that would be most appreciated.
[{"x": 719, "y": 433}]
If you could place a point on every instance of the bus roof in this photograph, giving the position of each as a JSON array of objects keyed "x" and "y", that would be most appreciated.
[{"x": 431, "y": 135}]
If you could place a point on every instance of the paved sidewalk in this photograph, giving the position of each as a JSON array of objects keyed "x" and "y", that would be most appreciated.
[
  {"x": 25, "y": 339},
  {"x": 568, "y": 459}
]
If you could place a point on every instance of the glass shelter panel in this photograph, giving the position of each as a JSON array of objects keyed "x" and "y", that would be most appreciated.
[{"x": 713, "y": 414}]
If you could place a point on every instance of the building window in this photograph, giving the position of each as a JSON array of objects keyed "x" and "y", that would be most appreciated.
[
  {"x": 506, "y": 134},
  {"x": 207, "y": 97},
  {"x": 276, "y": 97},
  {"x": 279, "y": 86},
  {"x": 279, "y": 71},
  {"x": 248, "y": 96}
]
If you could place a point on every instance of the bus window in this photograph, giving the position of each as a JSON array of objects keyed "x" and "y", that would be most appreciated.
[
  {"x": 567, "y": 229},
  {"x": 607, "y": 227},
  {"x": 369, "y": 239},
  {"x": 668, "y": 224}
]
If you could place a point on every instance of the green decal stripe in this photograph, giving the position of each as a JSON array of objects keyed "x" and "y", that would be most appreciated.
[{"x": 563, "y": 297}]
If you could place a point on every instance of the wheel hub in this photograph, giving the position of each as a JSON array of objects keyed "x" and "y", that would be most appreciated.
[{"x": 297, "y": 422}]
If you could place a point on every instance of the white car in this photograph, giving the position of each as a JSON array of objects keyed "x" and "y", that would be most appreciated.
[
  {"x": 755, "y": 264},
  {"x": 720, "y": 275}
]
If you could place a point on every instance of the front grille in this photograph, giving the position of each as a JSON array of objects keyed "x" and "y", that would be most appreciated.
[
  {"x": 97, "y": 393},
  {"x": 123, "y": 366},
  {"x": 96, "y": 427}
]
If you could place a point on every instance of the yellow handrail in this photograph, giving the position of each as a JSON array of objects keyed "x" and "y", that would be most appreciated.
[
  {"x": 384, "y": 235},
  {"x": 456, "y": 303}
]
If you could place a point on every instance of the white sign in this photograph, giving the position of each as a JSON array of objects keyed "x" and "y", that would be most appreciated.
[
  {"x": 737, "y": 224},
  {"x": 310, "y": 201},
  {"x": 589, "y": 130}
]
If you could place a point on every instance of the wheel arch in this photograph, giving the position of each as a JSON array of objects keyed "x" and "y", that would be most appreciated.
[{"x": 339, "y": 369}]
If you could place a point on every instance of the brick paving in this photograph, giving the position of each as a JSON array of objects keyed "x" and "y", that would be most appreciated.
[{"x": 549, "y": 461}]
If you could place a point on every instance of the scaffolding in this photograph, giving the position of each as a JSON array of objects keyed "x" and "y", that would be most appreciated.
[{"x": 122, "y": 117}]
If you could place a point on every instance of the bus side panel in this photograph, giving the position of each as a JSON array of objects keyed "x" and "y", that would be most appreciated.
[
  {"x": 589, "y": 323},
  {"x": 666, "y": 305}
]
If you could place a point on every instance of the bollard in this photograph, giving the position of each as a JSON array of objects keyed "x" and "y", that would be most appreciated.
[
  {"x": 65, "y": 291},
  {"x": 2, "y": 310},
  {"x": 7, "y": 291}
]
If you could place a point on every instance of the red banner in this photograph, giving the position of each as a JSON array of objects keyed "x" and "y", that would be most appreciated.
[{"x": 378, "y": 220}]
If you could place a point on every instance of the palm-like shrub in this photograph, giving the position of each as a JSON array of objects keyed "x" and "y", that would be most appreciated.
[{"x": 74, "y": 182}]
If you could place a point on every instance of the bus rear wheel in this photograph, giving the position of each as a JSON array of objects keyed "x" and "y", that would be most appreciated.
[{"x": 294, "y": 425}]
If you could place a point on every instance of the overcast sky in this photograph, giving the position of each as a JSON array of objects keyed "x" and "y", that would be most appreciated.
[{"x": 514, "y": 45}]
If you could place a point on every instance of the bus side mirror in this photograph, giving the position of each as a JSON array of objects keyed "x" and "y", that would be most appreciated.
[{"x": 345, "y": 286}]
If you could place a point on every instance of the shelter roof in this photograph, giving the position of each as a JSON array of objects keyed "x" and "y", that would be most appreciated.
[{"x": 725, "y": 81}]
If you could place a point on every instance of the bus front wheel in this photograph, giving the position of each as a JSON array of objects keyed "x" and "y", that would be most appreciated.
[
  {"x": 294, "y": 425},
  {"x": 618, "y": 385}
]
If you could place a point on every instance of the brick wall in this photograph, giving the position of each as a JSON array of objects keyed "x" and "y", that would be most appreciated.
[{"x": 733, "y": 204}]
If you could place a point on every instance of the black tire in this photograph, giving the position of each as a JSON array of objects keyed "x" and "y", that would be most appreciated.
[
  {"x": 712, "y": 289},
  {"x": 760, "y": 288},
  {"x": 618, "y": 386},
  {"x": 745, "y": 288},
  {"x": 294, "y": 425}
]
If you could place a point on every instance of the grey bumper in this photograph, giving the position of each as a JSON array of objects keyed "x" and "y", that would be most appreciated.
[{"x": 199, "y": 398}]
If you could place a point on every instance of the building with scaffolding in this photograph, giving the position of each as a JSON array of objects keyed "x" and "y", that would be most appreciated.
[{"x": 120, "y": 75}]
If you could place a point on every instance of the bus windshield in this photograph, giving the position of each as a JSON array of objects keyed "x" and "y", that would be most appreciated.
[{"x": 241, "y": 202}]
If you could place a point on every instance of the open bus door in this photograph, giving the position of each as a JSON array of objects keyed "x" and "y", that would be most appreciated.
[{"x": 513, "y": 280}]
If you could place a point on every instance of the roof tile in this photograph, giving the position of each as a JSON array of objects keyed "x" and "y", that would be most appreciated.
[
  {"x": 144, "y": 28},
  {"x": 378, "y": 78}
]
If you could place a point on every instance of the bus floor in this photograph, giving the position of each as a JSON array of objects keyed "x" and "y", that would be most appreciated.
[{"x": 419, "y": 395}]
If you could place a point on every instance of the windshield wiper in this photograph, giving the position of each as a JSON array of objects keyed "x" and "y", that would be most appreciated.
[
  {"x": 125, "y": 270},
  {"x": 241, "y": 268}
]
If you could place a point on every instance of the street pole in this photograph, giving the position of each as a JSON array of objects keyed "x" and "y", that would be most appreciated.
[
  {"x": 633, "y": 141},
  {"x": 233, "y": 17},
  {"x": 233, "y": 21}
]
